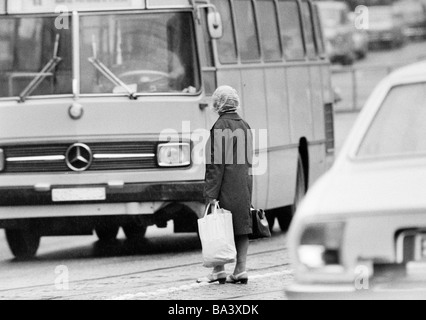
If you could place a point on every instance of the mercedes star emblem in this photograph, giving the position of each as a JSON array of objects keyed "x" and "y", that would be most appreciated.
[{"x": 79, "y": 157}]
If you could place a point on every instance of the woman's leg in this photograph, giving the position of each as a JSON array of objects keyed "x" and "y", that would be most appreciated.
[
  {"x": 218, "y": 275},
  {"x": 242, "y": 243},
  {"x": 219, "y": 269}
]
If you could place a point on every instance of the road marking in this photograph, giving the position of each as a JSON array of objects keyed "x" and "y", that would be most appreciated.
[{"x": 160, "y": 292}]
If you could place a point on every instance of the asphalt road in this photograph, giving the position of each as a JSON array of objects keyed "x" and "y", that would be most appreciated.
[{"x": 164, "y": 266}]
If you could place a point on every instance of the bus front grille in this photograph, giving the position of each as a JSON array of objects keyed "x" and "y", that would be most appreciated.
[{"x": 106, "y": 156}]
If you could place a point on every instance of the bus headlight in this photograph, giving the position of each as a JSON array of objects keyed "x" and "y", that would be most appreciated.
[
  {"x": 321, "y": 245},
  {"x": 1, "y": 160},
  {"x": 174, "y": 155}
]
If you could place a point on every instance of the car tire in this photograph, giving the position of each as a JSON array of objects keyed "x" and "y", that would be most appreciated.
[
  {"x": 23, "y": 244},
  {"x": 348, "y": 60},
  {"x": 361, "y": 55},
  {"x": 285, "y": 218},
  {"x": 107, "y": 233},
  {"x": 134, "y": 232}
]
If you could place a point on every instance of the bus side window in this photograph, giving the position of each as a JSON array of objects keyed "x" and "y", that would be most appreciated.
[
  {"x": 226, "y": 45},
  {"x": 291, "y": 30},
  {"x": 309, "y": 30},
  {"x": 319, "y": 36},
  {"x": 6, "y": 44},
  {"x": 248, "y": 40},
  {"x": 269, "y": 30}
]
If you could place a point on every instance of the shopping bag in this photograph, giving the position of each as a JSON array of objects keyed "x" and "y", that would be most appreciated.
[
  {"x": 217, "y": 237},
  {"x": 261, "y": 228}
]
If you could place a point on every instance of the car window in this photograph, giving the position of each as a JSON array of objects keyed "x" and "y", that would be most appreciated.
[{"x": 399, "y": 127}]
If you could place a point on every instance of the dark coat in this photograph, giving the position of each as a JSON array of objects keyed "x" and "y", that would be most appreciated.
[{"x": 228, "y": 177}]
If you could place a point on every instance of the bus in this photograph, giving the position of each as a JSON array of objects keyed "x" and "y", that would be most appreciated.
[{"x": 88, "y": 89}]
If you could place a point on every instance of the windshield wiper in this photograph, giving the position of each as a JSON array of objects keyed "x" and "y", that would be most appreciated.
[
  {"x": 112, "y": 77},
  {"x": 107, "y": 73},
  {"x": 44, "y": 73}
]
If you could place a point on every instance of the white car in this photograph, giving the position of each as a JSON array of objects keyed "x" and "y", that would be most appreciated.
[{"x": 361, "y": 230}]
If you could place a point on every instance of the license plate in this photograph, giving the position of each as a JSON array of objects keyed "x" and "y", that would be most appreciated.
[{"x": 78, "y": 194}]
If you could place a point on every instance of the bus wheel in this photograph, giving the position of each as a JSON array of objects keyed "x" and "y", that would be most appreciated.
[
  {"x": 134, "y": 231},
  {"x": 107, "y": 233},
  {"x": 271, "y": 217},
  {"x": 24, "y": 244},
  {"x": 285, "y": 218}
]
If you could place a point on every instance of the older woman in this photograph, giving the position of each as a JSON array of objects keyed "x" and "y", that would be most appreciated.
[{"x": 228, "y": 178}]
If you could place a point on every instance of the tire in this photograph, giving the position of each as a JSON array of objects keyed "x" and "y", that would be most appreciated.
[
  {"x": 348, "y": 60},
  {"x": 361, "y": 55},
  {"x": 271, "y": 217},
  {"x": 285, "y": 218},
  {"x": 107, "y": 233},
  {"x": 24, "y": 244},
  {"x": 134, "y": 231}
]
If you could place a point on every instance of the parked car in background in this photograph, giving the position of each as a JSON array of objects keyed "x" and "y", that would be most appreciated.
[
  {"x": 414, "y": 17},
  {"x": 360, "y": 39},
  {"x": 386, "y": 27},
  {"x": 338, "y": 31},
  {"x": 361, "y": 230}
]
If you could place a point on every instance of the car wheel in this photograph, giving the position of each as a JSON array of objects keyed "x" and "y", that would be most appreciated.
[
  {"x": 348, "y": 60},
  {"x": 107, "y": 233},
  {"x": 134, "y": 231},
  {"x": 362, "y": 55},
  {"x": 285, "y": 218},
  {"x": 24, "y": 244}
]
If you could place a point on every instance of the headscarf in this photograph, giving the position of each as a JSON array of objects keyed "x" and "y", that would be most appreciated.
[{"x": 226, "y": 100}]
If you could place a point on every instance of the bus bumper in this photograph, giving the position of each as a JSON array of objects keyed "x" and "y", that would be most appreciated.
[{"x": 129, "y": 199}]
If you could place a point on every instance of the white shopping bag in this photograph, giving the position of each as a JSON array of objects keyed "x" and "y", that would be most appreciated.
[{"x": 217, "y": 237}]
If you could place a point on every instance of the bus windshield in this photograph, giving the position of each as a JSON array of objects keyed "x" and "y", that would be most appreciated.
[
  {"x": 119, "y": 54},
  {"x": 142, "y": 53},
  {"x": 27, "y": 45}
]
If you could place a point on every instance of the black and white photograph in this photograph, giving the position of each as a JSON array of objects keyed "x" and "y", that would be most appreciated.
[{"x": 212, "y": 155}]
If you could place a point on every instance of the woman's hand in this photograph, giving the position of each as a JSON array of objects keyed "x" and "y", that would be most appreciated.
[{"x": 213, "y": 202}]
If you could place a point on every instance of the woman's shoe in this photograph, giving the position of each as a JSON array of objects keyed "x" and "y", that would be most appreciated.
[
  {"x": 241, "y": 278},
  {"x": 213, "y": 278}
]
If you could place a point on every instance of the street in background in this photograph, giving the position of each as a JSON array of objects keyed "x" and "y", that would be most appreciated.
[
  {"x": 339, "y": 32},
  {"x": 386, "y": 27}
]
